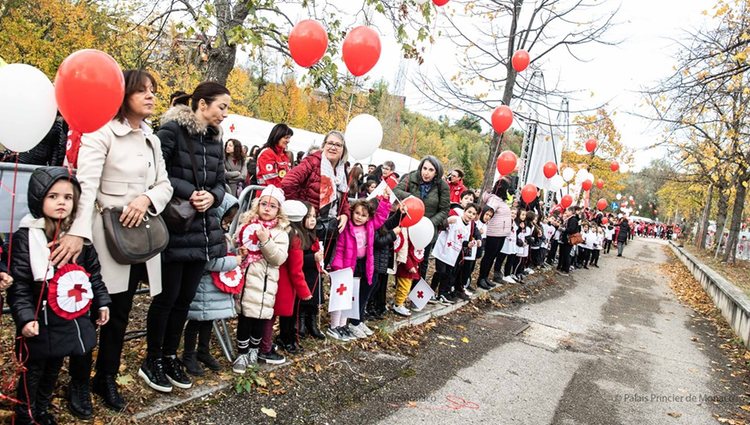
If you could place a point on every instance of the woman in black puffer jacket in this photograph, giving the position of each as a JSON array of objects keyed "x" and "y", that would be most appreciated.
[{"x": 187, "y": 132}]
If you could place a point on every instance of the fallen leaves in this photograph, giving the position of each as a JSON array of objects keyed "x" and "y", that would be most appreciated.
[{"x": 268, "y": 412}]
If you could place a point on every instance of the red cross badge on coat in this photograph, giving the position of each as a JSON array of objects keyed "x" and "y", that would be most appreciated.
[
  {"x": 230, "y": 282},
  {"x": 70, "y": 293}
]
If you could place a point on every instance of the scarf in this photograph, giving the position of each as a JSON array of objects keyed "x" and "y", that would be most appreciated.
[
  {"x": 331, "y": 182},
  {"x": 249, "y": 239},
  {"x": 424, "y": 188},
  {"x": 41, "y": 268}
]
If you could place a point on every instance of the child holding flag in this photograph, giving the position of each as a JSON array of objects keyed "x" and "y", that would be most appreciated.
[{"x": 449, "y": 248}]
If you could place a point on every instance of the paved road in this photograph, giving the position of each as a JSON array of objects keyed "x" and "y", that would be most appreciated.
[{"x": 614, "y": 348}]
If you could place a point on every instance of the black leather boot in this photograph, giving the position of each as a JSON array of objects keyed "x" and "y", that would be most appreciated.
[
  {"x": 301, "y": 323},
  {"x": 106, "y": 387},
  {"x": 312, "y": 325},
  {"x": 79, "y": 399},
  {"x": 190, "y": 360},
  {"x": 482, "y": 283}
]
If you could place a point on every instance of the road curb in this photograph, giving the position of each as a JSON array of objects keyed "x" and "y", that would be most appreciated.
[{"x": 500, "y": 292}]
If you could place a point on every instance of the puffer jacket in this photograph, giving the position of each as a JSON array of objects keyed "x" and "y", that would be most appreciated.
[
  {"x": 302, "y": 183},
  {"x": 346, "y": 246},
  {"x": 384, "y": 240},
  {"x": 262, "y": 277},
  {"x": 436, "y": 203},
  {"x": 209, "y": 302},
  {"x": 205, "y": 238},
  {"x": 58, "y": 337}
]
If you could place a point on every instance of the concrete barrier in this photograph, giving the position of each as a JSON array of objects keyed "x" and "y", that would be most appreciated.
[{"x": 732, "y": 302}]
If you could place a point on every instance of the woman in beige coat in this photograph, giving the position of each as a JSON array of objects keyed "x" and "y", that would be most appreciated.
[{"x": 121, "y": 164}]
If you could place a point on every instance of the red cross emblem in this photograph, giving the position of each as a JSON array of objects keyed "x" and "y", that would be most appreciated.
[
  {"x": 77, "y": 292},
  {"x": 231, "y": 274},
  {"x": 420, "y": 294},
  {"x": 459, "y": 236},
  {"x": 231, "y": 128},
  {"x": 449, "y": 244},
  {"x": 341, "y": 289}
]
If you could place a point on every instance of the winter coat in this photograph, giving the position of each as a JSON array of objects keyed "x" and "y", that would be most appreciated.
[
  {"x": 292, "y": 283},
  {"x": 408, "y": 258},
  {"x": 262, "y": 277},
  {"x": 312, "y": 275},
  {"x": 622, "y": 236},
  {"x": 569, "y": 228},
  {"x": 58, "y": 337},
  {"x": 383, "y": 244},
  {"x": 436, "y": 203},
  {"x": 346, "y": 245},
  {"x": 209, "y": 302},
  {"x": 234, "y": 173},
  {"x": 116, "y": 164},
  {"x": 205, "y": 238},
  {"x": 500, "y": 223},
  {"x": 456, "y": 190},
  {"x": 303, "y": 184},
  {"x": 272, "y": 166}
]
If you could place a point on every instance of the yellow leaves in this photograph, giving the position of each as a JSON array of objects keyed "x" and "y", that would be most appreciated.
[{"x": 268, "y": 412}]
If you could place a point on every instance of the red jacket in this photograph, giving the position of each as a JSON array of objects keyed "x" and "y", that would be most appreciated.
[
  {"x": 291, "y": 281},
  {"x": 456, "y": 190},
  {"x": 273, "y": 165},
  {"x": 303, "y": 184},
  {"x": 412, "y": 261}
]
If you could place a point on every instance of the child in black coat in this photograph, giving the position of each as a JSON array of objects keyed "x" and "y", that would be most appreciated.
[{"x": 385, "y": 238}]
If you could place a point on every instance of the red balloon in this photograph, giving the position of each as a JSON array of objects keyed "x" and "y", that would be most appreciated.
[
  {"x": 89, "y": 88},
  {"x": 502, "y": 118},
  {"x": 440, "y": 2},
  {"x": 590, "y": 145},
  {"x": 600, "y": 184},
  {"x": 415, "y": 208},
  {"x": 566, "y": 201},
  {"x": 601, "y": 204},
  {"x": 361, "y": 50},
  {"x": 506, "y": 162},
  {"x": 529, "y": 193},
  {"x": 308, "y": 42},
  {"x": 550, "y": 169},
  {"x": 586, "y": 185},
  {"x": 605, "y": 220},
  {"x": 520, "y": 60},
  {"x": 614, "y": 166}
]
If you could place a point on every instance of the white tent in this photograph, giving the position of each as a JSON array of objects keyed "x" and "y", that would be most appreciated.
[{"x": 254, "y": 132}]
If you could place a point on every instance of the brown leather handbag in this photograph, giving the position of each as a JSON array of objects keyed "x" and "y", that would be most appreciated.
[
  {"x": 137, "y": 244},
  {"x": 575, "y": 238}
]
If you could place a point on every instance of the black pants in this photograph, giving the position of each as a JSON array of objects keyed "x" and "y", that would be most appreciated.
[
  {"x": 112, "y": 335},
  {"x": 492, "y": 247},
  {"x": 288, "y": 332},
  {"x": 249, "y": 333},
  {"x": 552, "y": 251},
  {"x": 444, "y": 278},
  {"x": 564, "y": 262},
  {"x": 584, "y": 256},
  {"x": 510, "y": 265},
  {"x": 425, "y": 262},
  {"x": 169, "y": 309},
  {"x": 39, "y": 380},
  {"x": 378, "y": 297},
  {"x": 535, "y": 256},
  {"x": 197, "y": 331},
  {"x": 594, "y": 257},
  {"x": 464, "y": 274},
  {"x": 607, "y": 245}
]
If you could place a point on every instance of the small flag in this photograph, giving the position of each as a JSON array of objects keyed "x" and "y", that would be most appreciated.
[
  {"x": 421, "y": 294},
  {"x": 341, "y": 290},
  {"x": 379, "y": 190},
  {"x": 353, "y": 313}
]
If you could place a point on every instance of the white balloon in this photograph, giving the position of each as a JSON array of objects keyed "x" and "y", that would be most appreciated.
[
  {"x": 582, "y": 175},
  {"x": 363, "y": 136},
  {"x": 624, "y": 168},
  {"x": 421, "y": 233},
  {"x": 591, "y": 177},
  {"x": 568, "y": 173},
  {"x": 556, "y": 182},
  {"x": 630, "y": 197},
  {"x": 27, "y": 106},
  {"x": 618, "y": 196}
]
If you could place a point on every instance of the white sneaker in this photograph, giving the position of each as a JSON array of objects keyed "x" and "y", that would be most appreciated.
[
  {"x": 364, "y": 328},
  {"x": 240, "y": 364},
  {"x": 356, "y": 331},
  {"x": 508, "y": 279},
  {"x": 433, "y": 300},
  {"x": 402, "y": 310},
  {"x": 529, "y": 271}
]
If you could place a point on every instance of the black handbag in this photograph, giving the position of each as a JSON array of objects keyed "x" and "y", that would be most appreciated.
[
  {"x": 179, "y": 212},
  {"x": 137, "y": 244}
]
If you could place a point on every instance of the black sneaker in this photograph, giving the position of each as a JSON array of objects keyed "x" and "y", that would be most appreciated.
[
  {"x": 152, "y": 371},
  {"x": 272, "y": 357},
  {"x": 174, "y": 369},
  {"x": 463, "y": 295},
  {"x": 483, "y": 283}
]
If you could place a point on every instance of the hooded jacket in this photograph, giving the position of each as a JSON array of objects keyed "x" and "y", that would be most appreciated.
[
  {"x": 205, "y": 238},
  {"x": 209, "y": 302},
  {"x": 346, "y": 245},
  {"x": 437, "y": 200},
  {"x": 58, "y": 337}
]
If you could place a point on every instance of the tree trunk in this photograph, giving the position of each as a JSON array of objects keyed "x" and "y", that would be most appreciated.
[
  {"x": 220, "y": 63},
  {"x": 734, "y": 230},
  {"x": 510, "y": 82},
  {"x": 721, "y": 213},
  {"x": 703, "y": 228},
  {"x": 221, "y": 53}
]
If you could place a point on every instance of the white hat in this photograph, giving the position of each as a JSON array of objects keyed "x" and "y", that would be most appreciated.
[
  {"x": 273, "y": 192},
  {"x": 294, "y": 210}
]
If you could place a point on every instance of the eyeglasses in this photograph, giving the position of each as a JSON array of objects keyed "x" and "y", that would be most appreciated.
[
  {"x": 335, "y": 145},
  {"x": 270, "y": 205}
]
